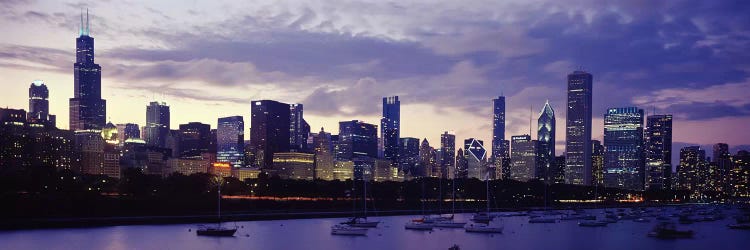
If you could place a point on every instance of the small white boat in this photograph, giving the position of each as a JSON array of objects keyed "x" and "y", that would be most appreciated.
[
  {"x": 642, "y": 220},
  {"x": 361, "y": 222},
  {"x": 483, "y": 228},
  {"x": 341, "y": 229},
  {"x": 413, "y": 225},
  {"x": 436, "y": 218}
]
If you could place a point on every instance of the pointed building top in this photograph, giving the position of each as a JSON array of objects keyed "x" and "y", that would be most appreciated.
[{"x": 547, "y": 109}]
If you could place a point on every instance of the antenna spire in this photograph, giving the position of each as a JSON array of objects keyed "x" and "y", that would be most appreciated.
[
  {"x": 531, "y": 114},
  {"x": 88, "y": 28},
  {"x": 80, "y": 26}
]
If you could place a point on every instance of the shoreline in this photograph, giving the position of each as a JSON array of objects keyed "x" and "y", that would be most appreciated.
[{"x": 9, "y": 224}]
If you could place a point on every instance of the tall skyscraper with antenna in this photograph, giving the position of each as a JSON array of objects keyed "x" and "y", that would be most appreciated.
[
  {"x": 498, "y": 128},
  {"x": 390, "y": 127},
  {"x": 87, "y": 108}
]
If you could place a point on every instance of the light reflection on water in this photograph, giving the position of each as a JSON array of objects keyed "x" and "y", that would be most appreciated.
[{"x": 315, "y": 234}]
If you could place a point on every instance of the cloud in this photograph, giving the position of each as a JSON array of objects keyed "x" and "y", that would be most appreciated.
[
  {"x": 687, "y": 57},
  {"x": 728, "y": 99},
  {"x": 36, "y": 58}
]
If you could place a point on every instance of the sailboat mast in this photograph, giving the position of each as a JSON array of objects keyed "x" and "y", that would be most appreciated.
[
  {"x": 364, "y": 196},
  {"x": 422, "y": 195},
  {"x": 453, "y": 196},
  {"x": 218, "y": 201},
  {"x": 487, "y": 181},
  {"x": 440, "y": 193}
]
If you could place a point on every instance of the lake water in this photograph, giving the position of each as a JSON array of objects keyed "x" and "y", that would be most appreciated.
[{"x": 390, "y": 235}]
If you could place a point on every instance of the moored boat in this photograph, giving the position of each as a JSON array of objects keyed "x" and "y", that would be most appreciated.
[
  {"x": 667, "y": 230},
  {"x": 449, "y": 224},
  {"x": 543, "y": 220},
  {"x": 215, "y": 231},
  {"x": 413, "y": 225},
  {"x": 592, "y": 223},
  {"x": 361, "y": 222},
  {"x": 483, "y": 228},
  {"x": 642, "y": 220},
  {"x": 341, "y": 229}
]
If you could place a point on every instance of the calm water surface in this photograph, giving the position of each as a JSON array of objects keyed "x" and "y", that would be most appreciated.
[{"x": 390, "y": 235}]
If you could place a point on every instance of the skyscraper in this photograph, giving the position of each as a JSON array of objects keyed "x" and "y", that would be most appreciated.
[
  {"x": 448, "y": 154},
  {"x": 298, "y": 128},
  {"x": 498, "y": 127},
  {"x": 597, "y": 163},
  {"x": 128, "y": 131},
  {"x": 194, "y": 139},
  {"x": 503, "y": 164},
  {"x": 476, "y": 158},
  {"x": 691, "y": 173},
  {"x": 269, "y": 133},
  {"x": 557, "y": 173},
  {"x": 546, "y": 138},
  {"x": 578, "y": 129},
  {"x": 658, "y": 151},
  {"x": 323, "y": 149},
  {"x": 87, "y": 108},
  {"x": 723, "y": 161},
  {"x": 409, "y": 149},
  {"x": 390, "y": 127},
  {"x": 157, "y": 124},
  {"x": 523, "y": 157},
  {"x": 462, "y": 171},
  {"x": 230, "y": 141},
  {"x": 39, "y": 104},
  {"x": 357, "y": 138},
  {"x": 623, "y": 148},
  {"x": 426, "y": 160}
]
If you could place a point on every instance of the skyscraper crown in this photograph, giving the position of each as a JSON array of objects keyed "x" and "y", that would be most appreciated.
[{"x": 84, "y": 29}]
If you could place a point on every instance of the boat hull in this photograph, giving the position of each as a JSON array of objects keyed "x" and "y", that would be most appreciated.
[
  {"x": 450, "y": 224},
  {"x": 418, "y": 226},
  {"x": 484, "y": 229},
  {"x": 216, "y": 232}
]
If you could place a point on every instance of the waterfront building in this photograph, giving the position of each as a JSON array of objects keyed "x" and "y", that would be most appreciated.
[
  {"x": 597, "y": 163},
  {"x": 39, "y": 105},
  {"x": 323, "y": 149},
  {"x": 523, "y": 157},
  {"x": 498, "y": 128},
  {"x": 658, "y": 152},
  {"x": 158, "y": 124},
  {"x": 447, "y": 155},
  {"x": 390, "y": 128},
  {"x": 299, "y": 129},
  {"x": 578, "y": 129},
  {"x": 623, "y": 148},
  {"x": 269, "y": 133},
  {"x": 194, "y": 139},
  {"x": 230, "y": 141},
  {"x": 692, "y": 171},
  {"x": 294, "y": 165},
  {"x": 357, "y": 138},
  {"x": 409, "y": 156},
  {"x": 476, "y": 159},
  {"x": 546, "y": 142}
]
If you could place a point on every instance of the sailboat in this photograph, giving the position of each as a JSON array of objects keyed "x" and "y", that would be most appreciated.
[
  {"x": 420, "y": 224},
  {"x": 485, "y": 227},
  {"x": 218, "y": 229},
  {"x": 546, "y": 217},
  {"x": 362, "y": 221},
  {"x": 485, "y": 217},
  {"x": 447, "y": 222}
]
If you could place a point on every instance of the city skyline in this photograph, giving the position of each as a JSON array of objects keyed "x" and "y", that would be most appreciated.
[{"x": 473, "y": 109}]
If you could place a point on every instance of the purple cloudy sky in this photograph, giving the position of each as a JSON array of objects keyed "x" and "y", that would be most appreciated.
[{"x": 446, "y": 60}]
